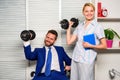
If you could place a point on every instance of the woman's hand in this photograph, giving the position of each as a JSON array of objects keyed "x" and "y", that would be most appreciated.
[
  {"x": 70, "y": 24},
  {"x": 87, "y": 45}
]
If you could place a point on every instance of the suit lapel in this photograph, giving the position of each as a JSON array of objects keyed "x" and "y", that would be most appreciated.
[{"x": 44, "y": 54}]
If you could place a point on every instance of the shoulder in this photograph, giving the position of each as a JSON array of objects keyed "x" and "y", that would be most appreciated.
[
  {"x": 58, "y": 46},
  {"x": 40, "y": 49},
  {"x": 59, "y": 49},
  {"x": 94, "y": 22},
  {"x": 81, "y": 23},
  {"x": 97, "y": 25}
]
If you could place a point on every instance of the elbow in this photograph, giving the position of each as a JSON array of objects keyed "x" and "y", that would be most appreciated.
[
  {"x": 27, "y": 57},
  {"x": 104, "y": 46},
  {"x": 68, "y": 43}
]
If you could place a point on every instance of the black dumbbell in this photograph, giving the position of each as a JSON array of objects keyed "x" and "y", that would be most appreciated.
[
  {"x": 27, "y": 35},
  {"x": 65, "y": 24},
  {"x": 76, "y": 22}
]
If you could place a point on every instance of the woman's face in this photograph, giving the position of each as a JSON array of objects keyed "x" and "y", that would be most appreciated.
[{"x": 88, "y": 12}]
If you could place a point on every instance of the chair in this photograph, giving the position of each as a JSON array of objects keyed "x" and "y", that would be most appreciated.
[{"x": 32, "y": 74}]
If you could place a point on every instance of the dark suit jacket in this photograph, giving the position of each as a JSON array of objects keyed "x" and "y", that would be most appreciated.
[{"x": 40, "y": 53}]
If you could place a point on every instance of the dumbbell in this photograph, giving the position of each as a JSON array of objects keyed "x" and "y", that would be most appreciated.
[
  {"x": 65, "y": 23},
  {"x": 27, "y": 35}
]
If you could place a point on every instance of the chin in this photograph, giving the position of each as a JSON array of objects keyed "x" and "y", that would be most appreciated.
[{"x": 48, "y": 45}]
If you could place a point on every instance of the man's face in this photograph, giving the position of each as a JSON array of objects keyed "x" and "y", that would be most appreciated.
[{"x": 49, "y": 39}]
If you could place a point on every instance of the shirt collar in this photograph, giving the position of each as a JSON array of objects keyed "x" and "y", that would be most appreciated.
[
  {"x": 93, "y": 22},
  {"x": 48, "y": 47}
]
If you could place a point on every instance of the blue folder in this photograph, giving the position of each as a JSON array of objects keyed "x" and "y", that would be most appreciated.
[{"x": 90, "y": 38}]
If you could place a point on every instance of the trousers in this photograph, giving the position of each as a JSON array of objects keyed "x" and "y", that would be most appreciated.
[
  {"x": 82, "y": 71},
  {"x": 54, "y": 75}
]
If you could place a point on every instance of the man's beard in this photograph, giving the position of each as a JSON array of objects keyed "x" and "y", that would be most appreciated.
[{"x": 48, "y": 45}]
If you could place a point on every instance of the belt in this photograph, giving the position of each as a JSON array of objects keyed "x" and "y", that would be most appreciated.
[{"x": 42, "y": 74}]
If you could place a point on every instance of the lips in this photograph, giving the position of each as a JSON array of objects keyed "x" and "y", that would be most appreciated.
[{"x": 47, "y": 41}]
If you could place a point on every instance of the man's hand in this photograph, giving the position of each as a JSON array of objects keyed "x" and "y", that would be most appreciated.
[
  {"x": 67, "y": 68},
  {"x": 26, "y": 43}
]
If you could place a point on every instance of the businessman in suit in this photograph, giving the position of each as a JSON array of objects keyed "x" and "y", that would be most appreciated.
[{"x": 59, "y": 63}]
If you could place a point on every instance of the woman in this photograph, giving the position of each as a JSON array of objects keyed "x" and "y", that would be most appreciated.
[{"x": 82, "y": 67}]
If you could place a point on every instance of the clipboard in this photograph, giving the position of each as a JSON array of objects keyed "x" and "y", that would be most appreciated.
[{"x": 90, "y": 38}]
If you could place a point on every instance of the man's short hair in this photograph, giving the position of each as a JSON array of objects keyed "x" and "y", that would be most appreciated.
[{"x": 53, "y": 32}]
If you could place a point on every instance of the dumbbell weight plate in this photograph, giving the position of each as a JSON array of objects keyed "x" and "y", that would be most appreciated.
[
  {"x": 64, "y": 24},
  {"x": 76, "y": 22},
  {"x": 25, "y": 35},
  {"x": 32, "y": 34}
]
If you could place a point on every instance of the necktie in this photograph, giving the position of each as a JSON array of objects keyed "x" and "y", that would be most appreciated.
[{"x": 48, "y": 63}]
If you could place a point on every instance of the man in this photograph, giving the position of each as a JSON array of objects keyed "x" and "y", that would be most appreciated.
[{"x": 59, "y": 59}]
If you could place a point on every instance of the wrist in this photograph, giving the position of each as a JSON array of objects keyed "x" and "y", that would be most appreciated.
[{"x": 26, "y": 43}]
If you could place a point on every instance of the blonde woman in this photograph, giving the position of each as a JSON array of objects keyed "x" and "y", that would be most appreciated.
[{"x": 83, "y": 59}]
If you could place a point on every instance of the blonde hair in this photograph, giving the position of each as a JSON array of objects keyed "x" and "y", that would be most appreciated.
[{"x": 88, "y": 4}]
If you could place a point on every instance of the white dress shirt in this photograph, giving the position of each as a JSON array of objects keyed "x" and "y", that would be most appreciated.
[{"x": 55, "y": 60}]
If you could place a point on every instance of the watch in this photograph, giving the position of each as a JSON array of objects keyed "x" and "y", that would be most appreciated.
[{"x": 104, "y": 12}]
